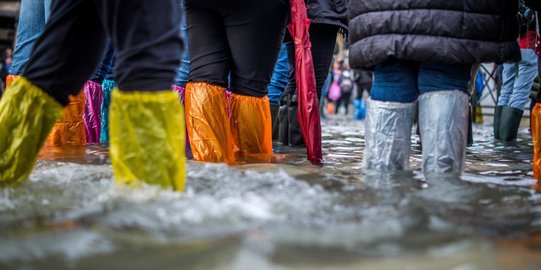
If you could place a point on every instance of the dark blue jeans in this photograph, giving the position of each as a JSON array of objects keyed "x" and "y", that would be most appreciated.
[
  {"x": 105, "y": 69},
  {"x": 403, "y": 81}
]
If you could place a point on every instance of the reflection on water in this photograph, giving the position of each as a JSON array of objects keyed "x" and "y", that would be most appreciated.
[{"x": 286, "y": 215}]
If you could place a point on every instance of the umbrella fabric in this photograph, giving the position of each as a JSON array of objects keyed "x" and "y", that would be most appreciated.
[{"x": 308, "y": 107}]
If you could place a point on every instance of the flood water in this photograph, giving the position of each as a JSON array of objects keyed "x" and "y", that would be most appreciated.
[{"x": 285, "y": 215}]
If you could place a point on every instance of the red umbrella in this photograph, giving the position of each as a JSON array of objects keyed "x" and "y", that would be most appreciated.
[{"x": 308, "y": 108}]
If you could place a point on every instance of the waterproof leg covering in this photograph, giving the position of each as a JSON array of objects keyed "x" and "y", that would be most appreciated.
[
  {"x": 443, "y": 121},
  {"x": 388, "y": 135},
  {"x": 70, "y": 128},
  {"x": 147, "y": 138},
  {"x": 509, "y": 123},
  {"x": 208, "y": 124},
  {"x": 251, "y": 128},
  {"x": 536, "y": 138},
  {"x": 92, "y": 114},
  {"x": 283, "y": 120},
  {"x": 496, "y": 124},
  {"x": 107, "y": 87},
  {"x": 27, "y": 115},
  {"x": 294, "y": 128}
]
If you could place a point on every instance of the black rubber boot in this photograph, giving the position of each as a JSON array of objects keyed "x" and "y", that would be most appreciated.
[
  {"x": 497, "y": 117},
  {"x": 295, "y": 133},
  {"x": 282, "y": 120},
  {"x": 274, "y": 116},
  {"x": 509, "y": 123}
]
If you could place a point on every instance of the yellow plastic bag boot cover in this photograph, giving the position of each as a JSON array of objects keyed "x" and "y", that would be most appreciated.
[
  {"x": 147, "y": 138},
  {"x": 208, "y": 124},
  {"x": 252, "y": 128},
  {"x": 27, "y": 115},
  {"x": 70, "y": 128}
]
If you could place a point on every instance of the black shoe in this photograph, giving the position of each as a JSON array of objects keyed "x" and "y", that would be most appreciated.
[
  {"x": 497, "y": 117},
  {"x": 509, "y": 123}
]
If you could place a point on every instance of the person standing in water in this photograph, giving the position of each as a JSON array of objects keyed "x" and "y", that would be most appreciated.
[{"x": 146, "y": 120}]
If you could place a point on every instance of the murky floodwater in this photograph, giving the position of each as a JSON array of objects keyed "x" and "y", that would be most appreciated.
[{"x": 287, "y": 215}]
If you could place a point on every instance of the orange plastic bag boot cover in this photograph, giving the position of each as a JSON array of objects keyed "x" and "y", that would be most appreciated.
[
  {"x": 70, "y": 128},
  {"x": 251, "y": 128},
  {"x": 207, "y": 123}
]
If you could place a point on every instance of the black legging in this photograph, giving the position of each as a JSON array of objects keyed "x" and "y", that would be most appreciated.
[
  {"x": 236, "y": 38},
  {"x": 145, "y": 34},
  {"x": 323, "y": 38}
]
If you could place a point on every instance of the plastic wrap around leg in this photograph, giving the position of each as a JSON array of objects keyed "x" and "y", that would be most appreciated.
[
  {"x": 92, "y": 113},
  {"x": 147, "y": 138},
  {"x": 10, "y": 79},
  {"x": 388, "y": 135},
  {"x": 27, "y": 115},
  {"x": 107, "y": 87},
  {"x": 443, "y": 122},
  {"x": 536, "y": 138},
  {"x": 251, "y": 128},
  {"x": 70, "y": 128},
  {"x": 208, "y": 124}
]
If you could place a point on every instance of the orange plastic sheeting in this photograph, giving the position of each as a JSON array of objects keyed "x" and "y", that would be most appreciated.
[
  {"x": 207, "y": 123},
  {"x": 536, "y": 137},
  {"x": 251, "y": 127},
  {"x": 70, "y": 128},
  {"x": 10, "y": 79}
]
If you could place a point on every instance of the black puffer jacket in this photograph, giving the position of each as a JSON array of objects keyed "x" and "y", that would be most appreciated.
[
  {"x": 328, "y": 12},
  {"x": 446, "y": 31}
]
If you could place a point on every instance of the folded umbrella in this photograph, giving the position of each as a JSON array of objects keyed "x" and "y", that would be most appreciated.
[{"x": 308, "y": 107}]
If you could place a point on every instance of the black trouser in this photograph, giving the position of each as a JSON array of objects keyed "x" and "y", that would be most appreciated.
[
  {"x": 236, "y": 38},
  {"x": 323, "y": 38},
  {"x": 145, "y": 34}
]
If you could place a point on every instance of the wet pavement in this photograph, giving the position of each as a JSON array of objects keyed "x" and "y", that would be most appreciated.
[{"x": 285, "y": 215}]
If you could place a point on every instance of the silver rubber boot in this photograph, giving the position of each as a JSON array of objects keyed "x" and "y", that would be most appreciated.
[
  {"x": 443, "y": 121},
  {"x": 388, "y": 135}
]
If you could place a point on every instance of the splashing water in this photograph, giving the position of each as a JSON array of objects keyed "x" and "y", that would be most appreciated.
[{"x": 286, "y": 215}]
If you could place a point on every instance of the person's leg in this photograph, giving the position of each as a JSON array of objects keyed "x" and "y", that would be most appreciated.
[
  {"x": 443, "y": 116},
  {"x": 511, "y": 115},
  {"x": 93, "y": 92},
  {"x": 389, "y": 116},
  {"x": 509, "y": 73},
  {"x": 206, "y": 102},
  {"x": 527, "y": 71},
  {"x": 30, "y": 27},
  {"x": 54, "y": 71},
  {"x": 277, "y": 87},
  {"x": 146, "y": 119},
  {"x": 323, "y": 38},
  {"x": 261, "y": 22}
]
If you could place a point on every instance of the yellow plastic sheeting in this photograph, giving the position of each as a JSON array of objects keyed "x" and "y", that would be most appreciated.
[
  {"x": 251, "y": 128},
  {"x": 536, "y": 137},
  {"x": 208, "y": 124},
  {"x": 70, "y": 128},
  {"x": 147, "y": 138},
  {"x": 27, "y": 114}
]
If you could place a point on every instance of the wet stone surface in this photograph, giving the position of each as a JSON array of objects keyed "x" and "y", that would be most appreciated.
[{"x": 285, "y": 215}]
